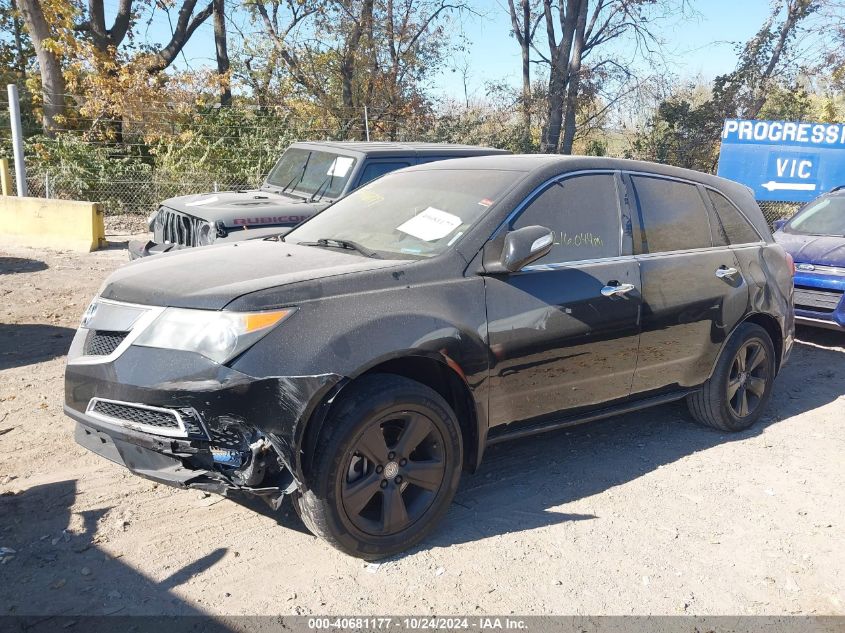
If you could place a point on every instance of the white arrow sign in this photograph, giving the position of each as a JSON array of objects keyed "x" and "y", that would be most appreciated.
[{"x": 791, "y": 186}]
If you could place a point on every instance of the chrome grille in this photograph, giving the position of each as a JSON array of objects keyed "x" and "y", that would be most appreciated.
[
  {"x": 103, "y": 342},
  {"x": 175, "y": 227},
  {"x": 817, "y": 300},
  {"x": 137, "y": 415},
  {"x": 155, "y": 420}
]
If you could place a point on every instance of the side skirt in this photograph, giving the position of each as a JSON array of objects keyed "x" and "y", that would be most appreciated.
[{"x": 599, "y": 414}]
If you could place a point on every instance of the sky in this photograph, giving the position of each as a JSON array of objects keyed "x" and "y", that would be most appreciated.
[{"x": 704, "y": 45}]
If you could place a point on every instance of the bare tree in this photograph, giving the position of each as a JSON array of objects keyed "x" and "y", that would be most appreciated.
[
  {"x": 108, "y": 40},
  {"x": 280, "y": 18},
  {"x": 574, "y": 79},
  {"x": 524, "y": 26},
  {"x": 186, "y": 24},
  {"x": 558, "y": 61},
  {"x": 575, "y": 33},
  {"x": 764, "y": 52}
]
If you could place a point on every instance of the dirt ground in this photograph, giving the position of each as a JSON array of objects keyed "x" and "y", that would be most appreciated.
[{"x": 645, "y": 513}]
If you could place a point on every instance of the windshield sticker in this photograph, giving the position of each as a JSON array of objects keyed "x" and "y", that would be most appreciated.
[
  {"x": 485, "y": 202},
  {"x": 370, "y": 198},
  {"x": 199, "y": 203},
  {"x": 340, "y": 166},
  {"x": 430, "y": 225}
]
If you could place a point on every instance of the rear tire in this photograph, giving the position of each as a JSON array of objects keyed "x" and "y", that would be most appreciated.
[
  {"x": 740, "y": 388},
  {"x": 385, "y": 467}
]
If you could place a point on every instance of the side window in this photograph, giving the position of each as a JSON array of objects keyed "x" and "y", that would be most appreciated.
[
  {"x": 374, "y": 170},
  {"x": 733, "y": 226},
  {"x": 583, "y": 213},
  {"x": 673, "y": 215}
]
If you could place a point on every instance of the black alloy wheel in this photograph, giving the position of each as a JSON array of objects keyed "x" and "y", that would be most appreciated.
[
  {"x": 748, "y": 378},
  {"x": 737, "y": 392},
  {"x": 384, "y": 469},
  {"x": 394, "y": 473}
]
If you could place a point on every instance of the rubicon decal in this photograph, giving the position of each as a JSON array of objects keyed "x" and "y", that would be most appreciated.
[{"x": 273, "y": 219}]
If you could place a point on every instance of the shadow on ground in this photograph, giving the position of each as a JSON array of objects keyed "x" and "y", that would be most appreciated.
[
  {"x": 285, "y": 516},
  {"x": 62, "y": 576},
  {"x": 24, "y": 344},
  {"x": 520, "y": 481},
  {"x": 13, "y": 265},
  {"x": 818, "y": 336}
]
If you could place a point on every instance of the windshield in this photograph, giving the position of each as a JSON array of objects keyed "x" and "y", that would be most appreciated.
[
  {"x": 411, "y": 214},
  {"x": 824, "y": 217},
  {"x": 311, "y": 173}
]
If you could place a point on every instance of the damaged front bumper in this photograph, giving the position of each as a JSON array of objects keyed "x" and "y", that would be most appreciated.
[
  {"x": 187, "y": 463},
  {"x": 182, "y": 420}
]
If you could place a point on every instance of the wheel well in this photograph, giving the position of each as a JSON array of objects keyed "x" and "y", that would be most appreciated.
[
  {"x": 433, "y": 374},
  {"x": 772, "y": 327}
]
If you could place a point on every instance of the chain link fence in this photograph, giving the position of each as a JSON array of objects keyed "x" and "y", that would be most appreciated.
[
  {"x": 135, "y": 196},
  {"x": 774, "y": 211}
]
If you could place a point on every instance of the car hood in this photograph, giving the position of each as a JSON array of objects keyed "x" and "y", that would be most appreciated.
[
  {"x": 239, "y": 208},
  {"x": 825, "y": 250},
  {"x": 213, "y": 276}
]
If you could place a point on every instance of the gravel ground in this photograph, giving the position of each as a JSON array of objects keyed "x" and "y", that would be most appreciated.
[{"x": 645, "y": 513}]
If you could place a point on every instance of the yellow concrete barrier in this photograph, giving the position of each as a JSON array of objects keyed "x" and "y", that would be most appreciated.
[
  {"x": 5, "y": 178},
  {"x": 56, "y": 224}
]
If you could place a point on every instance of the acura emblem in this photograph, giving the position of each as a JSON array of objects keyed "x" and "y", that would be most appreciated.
[{"x": 89, "y": 313}]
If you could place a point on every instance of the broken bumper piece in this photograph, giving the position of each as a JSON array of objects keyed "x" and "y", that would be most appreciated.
[
  {"x": 188, "y": 463},
  {"x": 139, "y": 248}
]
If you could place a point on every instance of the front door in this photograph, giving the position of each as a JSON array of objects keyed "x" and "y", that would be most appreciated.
[{"x": 563, "y": 332}]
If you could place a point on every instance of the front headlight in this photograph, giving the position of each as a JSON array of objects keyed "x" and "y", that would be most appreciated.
[
  {"x": 151, "y": 220},
  {"x": 207, "y": 234},
  {"x": 219, "y": 336}
]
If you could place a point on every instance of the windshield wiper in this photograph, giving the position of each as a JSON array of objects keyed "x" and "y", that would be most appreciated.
[
  {"x": 331, "y": 242},
  {"x": 298, "y": 178},
  {"x": 327, "y": 183}
]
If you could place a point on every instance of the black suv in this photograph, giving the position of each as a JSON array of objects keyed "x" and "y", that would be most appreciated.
[{"x": 361, "y": 362}]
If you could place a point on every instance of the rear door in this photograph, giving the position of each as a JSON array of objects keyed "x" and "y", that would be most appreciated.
[
  {"x": 557, "y": 342},
  {"x": 693, "y": 290}
]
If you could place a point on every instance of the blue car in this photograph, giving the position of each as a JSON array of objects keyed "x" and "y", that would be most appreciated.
[{"x": 815, "y": 237}]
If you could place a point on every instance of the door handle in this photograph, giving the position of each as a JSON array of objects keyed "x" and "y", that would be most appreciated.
[
  {"x": 618, "y": 289},
  {"x": 723, "y": 272}
]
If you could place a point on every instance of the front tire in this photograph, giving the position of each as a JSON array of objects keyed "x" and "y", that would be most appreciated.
[
  {"x": 385, "y": 469},
  {"x": 740, "y": 388}
]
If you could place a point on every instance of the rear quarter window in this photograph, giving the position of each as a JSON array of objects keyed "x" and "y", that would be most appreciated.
[
  {"x": 672, "y": 214},
  {"x": 732, "y": 227},
  {"x": 376, "y": 170}
]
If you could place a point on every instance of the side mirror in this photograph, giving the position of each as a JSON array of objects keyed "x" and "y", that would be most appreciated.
[
  {"x": 779, "y": 224},
  {"x": 524, "y": 246}
]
